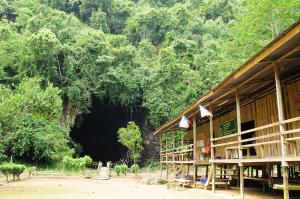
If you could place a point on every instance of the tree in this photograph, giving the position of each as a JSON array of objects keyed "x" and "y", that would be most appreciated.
[
  {"x": 158, "y": 54},
  {"x": 131, "y": 138},
  {"x": 30, "y": 126},
  {"x": 267, "y": 20}
]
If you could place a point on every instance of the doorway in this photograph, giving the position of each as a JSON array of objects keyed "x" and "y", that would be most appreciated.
[{"x": 246, "y": 126}]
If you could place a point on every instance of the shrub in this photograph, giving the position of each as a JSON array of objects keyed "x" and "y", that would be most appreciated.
[
  {"x": 12, "y": 169},
  {"x": 117, "y": 169},
  {"x": 124, "y": 169},
  {"x": 88, "y": 160},
  {"x": 134, "y": 168},
  {"x": 76, "y": 164}
]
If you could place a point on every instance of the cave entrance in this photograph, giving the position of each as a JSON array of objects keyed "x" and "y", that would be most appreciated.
[{"x": 96, "y": 131}]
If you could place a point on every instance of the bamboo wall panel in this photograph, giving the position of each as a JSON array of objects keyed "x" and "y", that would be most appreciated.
[
  {"x": 291, "y": 111},
  {"x": 262, "y": 111},
  {"x": 266, "y": 113}
]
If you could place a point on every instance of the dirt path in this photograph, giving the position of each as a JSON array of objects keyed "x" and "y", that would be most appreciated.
[{"x": 116, "y": 188}]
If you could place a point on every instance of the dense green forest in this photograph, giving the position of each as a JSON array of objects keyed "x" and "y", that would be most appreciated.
[{"x": 56, "y": 55}]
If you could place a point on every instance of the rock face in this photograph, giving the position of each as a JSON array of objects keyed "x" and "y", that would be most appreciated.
[
  {"x": 151, "y": 143},
  {"x": 97, "y": 132}
]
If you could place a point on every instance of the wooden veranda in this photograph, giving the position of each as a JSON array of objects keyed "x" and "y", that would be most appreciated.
[{"x": 255, "y": 128}]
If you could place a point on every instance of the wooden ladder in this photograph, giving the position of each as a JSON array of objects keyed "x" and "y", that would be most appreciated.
[{"x": 224, "y": 176}]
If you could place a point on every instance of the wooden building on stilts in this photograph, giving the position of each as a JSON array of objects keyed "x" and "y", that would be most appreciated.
[{"x": 254, "y": 133}]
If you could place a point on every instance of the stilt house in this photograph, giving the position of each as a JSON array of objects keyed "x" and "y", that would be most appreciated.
[{"x": 254, "y": 133}]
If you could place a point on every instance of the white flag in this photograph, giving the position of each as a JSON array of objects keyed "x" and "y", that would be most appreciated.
[
  {"x": 184, "y": 122},
  {"x": 204, "y": 112}
]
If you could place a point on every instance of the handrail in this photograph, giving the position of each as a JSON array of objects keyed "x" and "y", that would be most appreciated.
[
  {"x": 260, "y": 143},
  {"x": 181, "y": 147},
  {"x": 183, "y": 150},
  {"x": 263, "y": 136},
  {"x": 259, "y": 128},
  {"x": 260, "y": 137}
]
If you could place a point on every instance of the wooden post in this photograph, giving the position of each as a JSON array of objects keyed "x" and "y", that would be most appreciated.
[
  {"x": 212, "y": 151},
  {"x": 194, "y": 147},
  {"x": 160, "y": 158},
  {"x": 182, "y": 143},
  {"x": 242, "y": 181},
  {"x": 238, "y": 121},
  {"x": 173, "y": 150},
  {"x": 281, "y": 129},
  {"x": 166, "y": 148}
]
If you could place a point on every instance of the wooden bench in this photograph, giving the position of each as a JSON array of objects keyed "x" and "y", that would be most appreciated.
[{"x": 293, "y": 187}]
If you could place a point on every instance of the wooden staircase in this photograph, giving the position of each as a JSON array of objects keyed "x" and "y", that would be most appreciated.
[
  {"x": 103, "y": 173},
  {"x": 224, "y": 176}
]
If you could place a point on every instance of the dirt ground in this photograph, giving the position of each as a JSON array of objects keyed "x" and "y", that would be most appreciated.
[{"x": 48, "y": 187}]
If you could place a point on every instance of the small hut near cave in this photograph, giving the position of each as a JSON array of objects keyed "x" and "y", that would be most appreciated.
[{"x": 254, "y": 133}]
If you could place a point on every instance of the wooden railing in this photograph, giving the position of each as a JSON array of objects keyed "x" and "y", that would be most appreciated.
[
  {"x": 234, "y": 145},
  {"x": 178, "y": 154}
]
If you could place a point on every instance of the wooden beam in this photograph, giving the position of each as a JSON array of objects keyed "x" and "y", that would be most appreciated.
[
  {"x": 242, "y": 181},
  {"x": 239, "y": 130},
  {"x": 194, "y": 146},
  {"x": 290, "y": 187},
  {"x": 173, "y": 145},
  {"x": 281, "y": 129},
  {"x": 280, "y": 110},
  {"x": 238, "y": 123},
  {"x": 160, "y": 157},
  {"x": 166, "y": 148},
  {"x": 182, "y": 143},
  {"x": 212, "y": 152},
  {"x": 194, "y": 135}
]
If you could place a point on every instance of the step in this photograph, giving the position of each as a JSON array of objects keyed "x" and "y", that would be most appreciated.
[
  {"x": 103, "y": 174},
  {"x": 222, "y": 180},
  {"x": 227, "y": 174},
  {"x": 219, "y": 169},
  {"x": 220, "y": 183}
]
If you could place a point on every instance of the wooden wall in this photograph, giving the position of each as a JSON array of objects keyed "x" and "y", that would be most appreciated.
[
  {"x": 262, "y": 111},
  {"x": 291, "y": 93}
]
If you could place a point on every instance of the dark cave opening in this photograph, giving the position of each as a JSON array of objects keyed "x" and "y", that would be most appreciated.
[{"x": 96, "y": 131}]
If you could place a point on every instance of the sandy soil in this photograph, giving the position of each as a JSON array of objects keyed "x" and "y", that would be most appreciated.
[{"x": 116, "y": 188}]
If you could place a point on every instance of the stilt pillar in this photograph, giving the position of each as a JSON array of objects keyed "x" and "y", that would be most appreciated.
[
  {"x": 281, "y": 129},
  {"x": 160, "y": 155},
  {"x": 285, "y": 177},
  {"x": 194, "y": 148},
  {"x": 213, "y": 179},
  {"x": 212, "y": 151},
  {"x": 239, "y": 130},
  {"x": 242, "y": 181}
]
